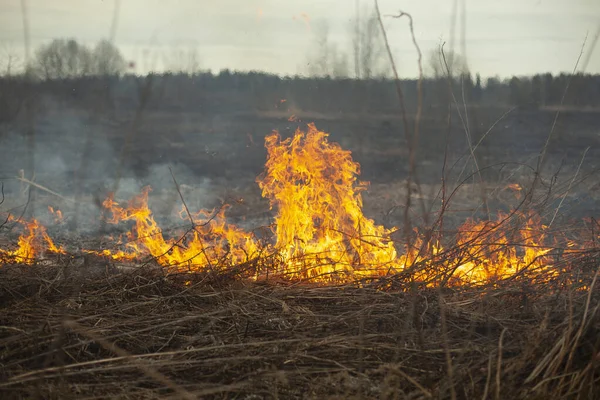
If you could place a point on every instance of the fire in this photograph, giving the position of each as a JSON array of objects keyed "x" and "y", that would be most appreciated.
[
  {"x": 31, "y": 243},
  {"x": 209, "y": 243},
  {"x": 320, "y": 232},
  {"x": 58, "y": 216},
  {"x": 119, "y": 255},
  {"x": 494, "y": 250},
  {"x": 516, "y": 189},
  {"x": 320, "y": 227}
]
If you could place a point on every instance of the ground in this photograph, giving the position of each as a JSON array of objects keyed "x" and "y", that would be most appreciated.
[
  {"x": 140, "y": 334},
  {"x": 220, "y": 156},
  {"x": 79, "y": 327}
]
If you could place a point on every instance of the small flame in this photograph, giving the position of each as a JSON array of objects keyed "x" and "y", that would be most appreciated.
[
  {"x": 208, "y": 243},
  {"x": 31, "y": 243},
  {"x": 58, "y": 215},
  {"x": 119, "y": 255},
  {"x": 516, "y": 188}
]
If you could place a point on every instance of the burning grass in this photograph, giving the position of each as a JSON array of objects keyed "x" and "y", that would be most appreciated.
[
  {"x": 320, "y": 233},
  {"x": 86, "y": 331},
  {"x": 325, "y": 304}
]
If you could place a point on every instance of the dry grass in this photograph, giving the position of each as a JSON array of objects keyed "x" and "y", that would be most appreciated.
[{"x": 141, "y": 334}]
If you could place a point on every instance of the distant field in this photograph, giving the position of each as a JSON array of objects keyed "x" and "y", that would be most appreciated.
[{"x": 221, "y": 155}]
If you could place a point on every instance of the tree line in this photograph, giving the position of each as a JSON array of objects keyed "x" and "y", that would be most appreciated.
[
  {"x": 67, "y": 69},
  {"x": 66, "y": 59},
  {"x": 256, "y": 91},
  {"x": 577, "y": 90}
]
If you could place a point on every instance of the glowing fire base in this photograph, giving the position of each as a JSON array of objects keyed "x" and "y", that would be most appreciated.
[{"x": 320, "y": 231}]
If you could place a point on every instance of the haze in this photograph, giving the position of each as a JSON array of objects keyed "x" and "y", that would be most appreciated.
[{"x": 511, "y": 37}]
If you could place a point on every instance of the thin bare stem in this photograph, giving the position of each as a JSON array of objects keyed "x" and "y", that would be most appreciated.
[
  {"x": 407, "y": 133},
  {"x": 542, "y": 155},
  {"x": 419, "y": 112},
  {"x": 187, "y": 210},
  {"x": 499, "y": 364},
  {"x": 569, "y": 188},
  {"x": 144, "y": 367},
  {"x": 448, "y": 357},
  {"x": 45, "y": 189}
]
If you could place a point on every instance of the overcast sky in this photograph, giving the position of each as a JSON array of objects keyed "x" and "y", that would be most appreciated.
[{"x": 503, "y": 37}]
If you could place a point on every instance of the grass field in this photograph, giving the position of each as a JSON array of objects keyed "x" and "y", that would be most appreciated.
[{"x": 79, "y": 326}]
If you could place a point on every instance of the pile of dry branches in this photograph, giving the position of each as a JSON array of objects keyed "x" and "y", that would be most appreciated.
[{"x": 143, "y": 334}]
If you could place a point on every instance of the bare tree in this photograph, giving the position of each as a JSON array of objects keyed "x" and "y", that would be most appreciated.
[
  {"x": 12, "y": 95},
  {"x": 456, "y": 63},
  {"x": 107, "y": 59},
  {"x": 10, "y": 61},
  {"x": 367, "y": 45},
  {"x": 339, "y": 63},
  {"x": 327, "y": 59},
  {"x": 185, "y": 61},
  {"x": 62, "y": 59},
  {"x": 367, "y": 48}
]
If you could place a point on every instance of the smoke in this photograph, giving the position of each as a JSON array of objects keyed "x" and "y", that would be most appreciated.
[
  {"x": 166, "y": 197},
  {"x": 76, "y": 160}
]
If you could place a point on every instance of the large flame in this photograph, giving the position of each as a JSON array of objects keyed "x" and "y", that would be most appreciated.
[
  {"x": 320, "y": 227},
  {"x": 320, "y": 232}
]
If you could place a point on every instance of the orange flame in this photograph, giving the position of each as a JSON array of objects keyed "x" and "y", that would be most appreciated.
[
  {"x": 321, "y": 233},
  {"x": 495, "y": 250},
  {"x": 58, "y": 215},
  {"x": 516, "y": 188},
  {"x": 210, "y": 242},
  {"x": 320, "y": 227},
  {"x": 30, "y": 244}
]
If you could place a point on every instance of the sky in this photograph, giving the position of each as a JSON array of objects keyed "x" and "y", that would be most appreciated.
[{"x": 502, "y": 37}]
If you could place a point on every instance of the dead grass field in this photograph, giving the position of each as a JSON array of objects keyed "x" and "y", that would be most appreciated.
[
  {"x": 82, "y": 327},
  {"x": 93, "y": 331}
]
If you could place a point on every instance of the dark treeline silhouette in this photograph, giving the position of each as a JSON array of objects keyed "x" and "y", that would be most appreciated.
[
  {"x": 259, "y": 92},
  {"x": 548, "y": 90},
  {"x": 95, "y": 78}
]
